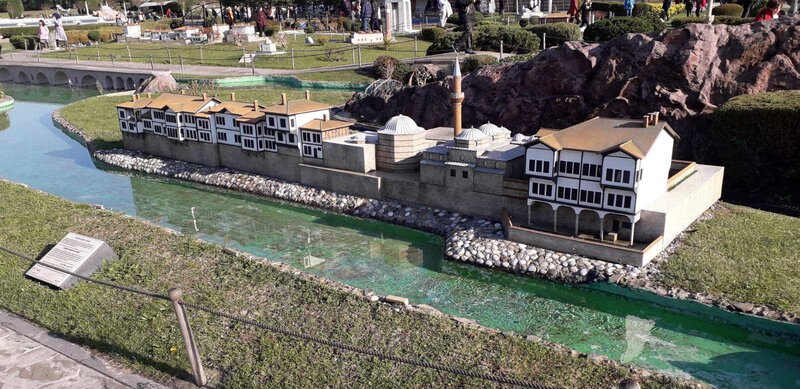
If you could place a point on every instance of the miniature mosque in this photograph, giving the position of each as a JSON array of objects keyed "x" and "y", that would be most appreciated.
[{"x": 605, "y": 188}]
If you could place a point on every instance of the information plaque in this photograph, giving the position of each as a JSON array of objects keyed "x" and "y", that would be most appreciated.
[{"x": 76, "y": 254}]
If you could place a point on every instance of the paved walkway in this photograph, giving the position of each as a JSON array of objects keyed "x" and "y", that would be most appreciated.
[
  {"x": 31, "y": 357},
  {"x": 22, "y": 57}
]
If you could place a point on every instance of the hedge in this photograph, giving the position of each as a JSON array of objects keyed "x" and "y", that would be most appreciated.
[
  {"x": 557, "y": 33},
  {"x": 14, "y": 31},
  {"x": 617, "y": 7},
  {"x": 679, "y": 21},
  {"x": 757, "y": 139},
  {"x": 432, "y": 34},
  {"x": 22, "y": 42},
  {"x": 607, "y": 29},
  {"x": 728, "y": 10},
  {"x": 453, "y": 19},
  {"x": 473, "y": 62},
  {"x": 488, "y": 37}
]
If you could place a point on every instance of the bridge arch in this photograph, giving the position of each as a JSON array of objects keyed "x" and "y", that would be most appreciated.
[
  {"x": 22, "y": 77},
  {"x": 60, "y": 78},
  {"x": 88, "y": 81},
  {"x": 129, "y": 84},
  {"x": 5, "y": 75},
  {"x": 108, "y": 83},
  {"x": 41, "y": 78},
  {"x": 119, "y": 83}
]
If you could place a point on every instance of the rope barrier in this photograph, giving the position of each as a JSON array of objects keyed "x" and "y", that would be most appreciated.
[{"x": 296, "y": 334}]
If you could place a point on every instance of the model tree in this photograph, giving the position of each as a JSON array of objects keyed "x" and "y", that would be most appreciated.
[{"x": 15, "y": 8}]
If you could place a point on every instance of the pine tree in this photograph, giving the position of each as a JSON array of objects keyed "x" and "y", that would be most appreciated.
[{"x": 15, "y": 8}]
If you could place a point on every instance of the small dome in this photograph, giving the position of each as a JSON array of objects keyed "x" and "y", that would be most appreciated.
[
  {"x": 358, "y": 138},
  {"x": 490, "y": 129},
  {"x": 519, "y": 138},
  {"x": 471, "y": 134},
  {"x": 401, "y": 125}
]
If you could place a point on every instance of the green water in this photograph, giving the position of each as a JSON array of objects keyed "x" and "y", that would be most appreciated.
[{"x": 394, "y": 260}]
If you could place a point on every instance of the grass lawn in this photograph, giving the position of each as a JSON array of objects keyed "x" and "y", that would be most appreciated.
[
  {"x": 306, "y": 55},
  {"x": 742, "y": 254},
  {"x": 96, "y": 116},
  {"x": 355, "y": 76},
  {"x": 142, "y": 333}
]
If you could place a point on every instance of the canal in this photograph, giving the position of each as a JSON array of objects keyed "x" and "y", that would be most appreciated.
[{"x": 389, "y": 259}]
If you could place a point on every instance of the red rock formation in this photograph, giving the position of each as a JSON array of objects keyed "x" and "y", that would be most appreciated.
[{"x": 684, "y": 73}]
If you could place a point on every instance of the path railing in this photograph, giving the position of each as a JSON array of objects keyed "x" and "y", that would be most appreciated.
[{"x": 175, "y": 297}]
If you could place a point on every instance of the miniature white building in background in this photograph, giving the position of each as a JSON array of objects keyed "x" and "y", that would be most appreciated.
[{"x": 402, "y": 22}]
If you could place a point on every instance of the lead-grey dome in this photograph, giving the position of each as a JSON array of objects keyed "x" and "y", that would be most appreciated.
[
  {"x": 401, "y": 125},
  {"x": 471, "y": 134}
]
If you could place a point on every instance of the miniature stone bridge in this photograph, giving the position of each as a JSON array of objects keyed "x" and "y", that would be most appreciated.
[{"x": 77, "y": 76}]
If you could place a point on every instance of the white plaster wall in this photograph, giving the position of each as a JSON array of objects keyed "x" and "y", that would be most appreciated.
[
  {"x": 541, "y": 181},
  {"x": 620, "y": 161},
  {"x": 566, "y": 182},
  {"x": 539, "y": 152},
  {"x": 619, "y": 192},
  {"x": 304, "y": 118},
  {"x": 655, "y": 171}
]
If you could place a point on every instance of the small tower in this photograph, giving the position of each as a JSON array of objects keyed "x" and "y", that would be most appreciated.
[{"x": 457, "y": 97}]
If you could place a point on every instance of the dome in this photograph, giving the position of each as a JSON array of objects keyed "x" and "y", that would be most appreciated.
[
  {"x": 401, "y": 125},
  {"x": 471, "y": 134},
  {"x": 490, "y": 129},
  {"x": 519, "y": 138},
  {"x": 358, "y": 138}
]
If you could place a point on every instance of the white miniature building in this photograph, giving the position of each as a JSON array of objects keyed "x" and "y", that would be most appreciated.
[
  {"x": 607, "y": 170},
  {"x": 401, "y": 22}
]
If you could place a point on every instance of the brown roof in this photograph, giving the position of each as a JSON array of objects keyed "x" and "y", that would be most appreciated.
[
  {"x": 605, "y": 135},
  {"x": 324, "y": 125},
  {"x": 179, "y": 103},
  {"x": 139, "y": 103},
  {"x": 296, "y": 106},
  {"x": 251, "y": 116},
  {"x": 234, "y": 107}
]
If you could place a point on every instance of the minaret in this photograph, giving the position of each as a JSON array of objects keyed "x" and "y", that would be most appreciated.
[{"x": 457, "y": 97}]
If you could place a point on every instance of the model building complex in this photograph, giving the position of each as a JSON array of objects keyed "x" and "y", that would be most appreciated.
[{"x": 605, "y": 188}]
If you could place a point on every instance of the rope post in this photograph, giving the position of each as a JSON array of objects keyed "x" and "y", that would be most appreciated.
[
  {"x": 151, "y": 61},
  {"x": 292, "y": 58},
  {"x": 354, "y": 54},
  {"x": 130, "y": 59},
  {"x": 501, "y": 49},
  {"x": 253, "y": 64},
  {"x": 244, "y": 57},
  {"x": 360, "y": 65},
  {"x": 76, "y": 56},
  {"x": 201, "y": 54},
  {"x": 544, "y": 40},
  {"x": 169, "y": 54},
  {"x": 175, "y": 295},
  {"x": 97, "y": 48},
  {"x": 113, "y": 65},
  {"x": 415, "y": 48},
  {"x": 180, "y": 58}
]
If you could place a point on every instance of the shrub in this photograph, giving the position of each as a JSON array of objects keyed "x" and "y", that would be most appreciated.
[
  {"x": 12, "y": 31},
  {"x": 309, "y": 29},
  {"x": 269, "y": 31},
  {"x": 523, "y": 23},
  {"x": 730, "y": 9},
  {"x": 384, "y": 66},
  {"x": 731, "y": 20},
  {"x": 756, "y": 138},
  {"x": 607, "y": 29},
  {"x": 639, "y": 9},
  {"x": 23, "y": 42},
  {"x": 14, "y": 8},
  {"x": 432, "y": 34},
  {"x": 323, "y": 40},
  {"x": 559, "y": 32},
  {"x": 402, "y": 71},
  {"x": 515, "y": 40},
  {"x": 517, "y": 58},
  {"x": 93, "y": 35},
  {"x": 444, "y": 44},
  {"x": 453, "y": 19},
  {"x": 679, "y": 21},
  {"x": 473, "y": 62}
]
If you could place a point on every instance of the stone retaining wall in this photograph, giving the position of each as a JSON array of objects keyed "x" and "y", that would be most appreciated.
[{"x": 478, "y": 241}]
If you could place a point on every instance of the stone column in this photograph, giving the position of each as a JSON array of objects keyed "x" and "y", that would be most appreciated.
[
  {"x": 632, "y": 232},
  {"x": 601, "y": 228},
  {"x": 387, "y": 26},
  {"x": 555, "y": 219},
  {"x": 577, "y": 216}
]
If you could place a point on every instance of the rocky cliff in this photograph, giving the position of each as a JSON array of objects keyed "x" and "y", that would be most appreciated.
[{"x": 684, "y": 73}]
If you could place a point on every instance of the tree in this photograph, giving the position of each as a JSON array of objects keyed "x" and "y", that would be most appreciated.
[{"x": 15, "y": 8}]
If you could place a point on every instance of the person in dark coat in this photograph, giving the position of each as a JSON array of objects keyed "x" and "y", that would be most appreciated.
[
  {"x": 689, "y": 4},
  {"x": 466, "y": 17},
  {"x": 366, "y": 15},
  {"x": 376, "y": 15},
  {"x": 344, "y": 8},
  {"x": 586, "y": 12},
  {"x": 261, "y": 21}
]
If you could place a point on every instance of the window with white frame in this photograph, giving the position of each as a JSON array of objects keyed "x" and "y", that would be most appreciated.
[
  {"x": 191, "y": 134},
  {"x": 203, "y": 124},
  {"x": 172, "y": 132},
  {"x": 249, "y": 143},
  {"x": 541, "y": 189},
  {"x": 147, "y": 124},
  {"x": 124, "y": 126},
  {"x": 291, "y": 139},
  {"x": 122, "y": 114},
  {"x": 618, "y": 200},
  {"x": 171, "y": 118},
  {"x": 569, "y": 167},
  {"x": 592, "y": 170},
  {"x": 538, "y": 166},
  {"x": 237, "y": 139},
  {"x": 158, "y": 129},
  {"x": 591, "y": 197},
  {"x": 282, "y": 122},
  {"x": 567, "y": 193},
  {"x": 248, "y": 129},
  {"x": 271, "y": 121},
  {"x": 205, "y": 136},
  {"x": 220, "y": 120},
  {"x": 222, "y": 136},
  {"x": 618, "y": 176},
  {"x": 158, "y": 115}
]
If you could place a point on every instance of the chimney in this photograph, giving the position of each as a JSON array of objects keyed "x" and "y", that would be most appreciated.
[
  {"x": 325, "y": 117},
  {"x": 133, "y": 98},
  {"x": 308, "y": 94},
  {"x": 283, "y": 99},
  {"x": 183, "y": 91},
  {"x": 233, "y": 96},
  {"x": 646, "y": 121},
  {"x": 255, "y": 105},
  {"x": 205, "y": 96},
  {"x": 149, "y": 96},
  {"x": 655, "y": 117}
]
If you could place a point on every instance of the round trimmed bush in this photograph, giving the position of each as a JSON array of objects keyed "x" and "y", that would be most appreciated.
[
  {"x": 608, "y": 29},
  {"x": 432, "y": 34},
  {"x": 557, "y": 33},
  {"x": 384, "y": 66},
  {"x": 93, "y": 35},
  {"x": 22, "y": 42},
  {"x": 730, "y": 9},
  {"x": 473, "y": 62},
  {"x": 757, "y": 139}
]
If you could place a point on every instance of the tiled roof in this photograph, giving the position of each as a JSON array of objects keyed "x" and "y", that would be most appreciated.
[
  {"x": 234, "y": 107},
  {"x": 324, "y": 125},
  {"x": 295, "y": 107},
  {"x": 504, "y": 153},
  {"x": 179, "y": 103},
  {"x": 604, "y": 135}
]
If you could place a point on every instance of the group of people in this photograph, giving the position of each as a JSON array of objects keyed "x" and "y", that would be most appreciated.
[
  {"x": 367, "y": 11},
  {"x": 580, "y": 14},
  {"x": 44, "y": 32}
]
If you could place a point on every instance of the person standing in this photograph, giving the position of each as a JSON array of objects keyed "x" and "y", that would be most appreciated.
[
  {"x": 665, "y": 5},
  {"x": 366, "y": 14},
  {"x": 61, "y": 35},
  {"x": 699, "y": 5},
  {"x": 628, "y": 4},
  {"x": 573, "y": 11},
  {"x": 376, "y": 15},
  {"x": 688, "y": 4},
  {"x": 261, "y": 21},
  {"x": 746, "y": 4},
  {"x": 44, "y": 35},
  {"x": 445, "y": 10},
  {"x": 586, "y": 12},
  {"x": 502, "y": 5},
  {"x": 466, "y": 16},
  {"x": 229, "y": 18}
]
